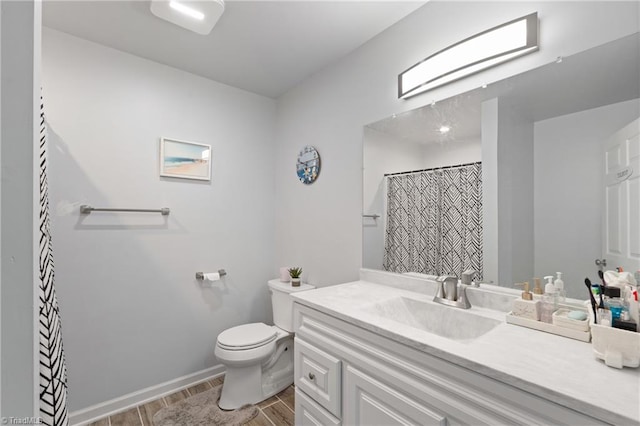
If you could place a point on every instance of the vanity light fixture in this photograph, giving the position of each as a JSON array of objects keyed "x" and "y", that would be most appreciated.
[
  {"x": 481, "y": 51},
  {"x": 196, "y": 15}
]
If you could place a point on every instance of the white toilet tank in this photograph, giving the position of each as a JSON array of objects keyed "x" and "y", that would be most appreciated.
[{"x": 282, "y": 302}]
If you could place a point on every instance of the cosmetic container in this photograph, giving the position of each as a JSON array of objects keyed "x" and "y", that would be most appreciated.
[{"x": 604, "y": 317}]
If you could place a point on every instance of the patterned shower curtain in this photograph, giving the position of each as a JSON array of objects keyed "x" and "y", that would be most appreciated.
[
  {"x": 434, "y": 221},
  {"x": 53, "y": 370}
]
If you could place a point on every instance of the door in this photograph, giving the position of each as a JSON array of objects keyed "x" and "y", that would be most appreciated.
[{"x": 622, "y": 199}]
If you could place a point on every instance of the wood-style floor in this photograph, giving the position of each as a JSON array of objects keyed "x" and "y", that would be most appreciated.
[{"x": 275, "y": 411}]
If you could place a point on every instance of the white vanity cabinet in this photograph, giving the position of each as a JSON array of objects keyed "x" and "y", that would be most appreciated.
[{"x": 345, "y": 375}]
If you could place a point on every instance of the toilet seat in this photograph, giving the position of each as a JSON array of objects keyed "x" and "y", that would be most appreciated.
[{"x": 246, "y": 336}]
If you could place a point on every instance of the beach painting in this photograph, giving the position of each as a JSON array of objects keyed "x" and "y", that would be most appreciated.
[{"x": 187, "y": 160}]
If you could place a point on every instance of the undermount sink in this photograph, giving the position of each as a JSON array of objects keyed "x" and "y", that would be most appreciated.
[{"x": 452, "y": 323}]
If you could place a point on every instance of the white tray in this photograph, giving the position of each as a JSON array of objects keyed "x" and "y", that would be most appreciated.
[
  {"x": 584, "y": 336},
  {"x": 561, "y": 319}
]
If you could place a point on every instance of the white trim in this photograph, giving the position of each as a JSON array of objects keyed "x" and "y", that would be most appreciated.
[
  {"x": 133, "y": 399},
  {"x": 0, "y": 217},
  {"x": 35, "y": 195}
]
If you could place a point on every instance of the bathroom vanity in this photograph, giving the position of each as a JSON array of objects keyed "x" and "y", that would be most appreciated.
[{"x": 379, "y": 351}]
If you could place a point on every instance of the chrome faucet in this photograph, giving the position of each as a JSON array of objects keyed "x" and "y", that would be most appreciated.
[
  {"x": 467, "y": 278},
  {"x": 449, "y": 294}
]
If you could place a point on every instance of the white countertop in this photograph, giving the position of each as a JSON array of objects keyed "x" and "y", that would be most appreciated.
[{"x": 553, "y": 367}]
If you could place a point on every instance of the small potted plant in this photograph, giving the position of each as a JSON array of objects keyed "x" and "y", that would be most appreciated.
[{"x": 295, "y": 276}]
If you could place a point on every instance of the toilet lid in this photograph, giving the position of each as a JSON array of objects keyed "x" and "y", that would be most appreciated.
[{"x": 247, "y": 336}]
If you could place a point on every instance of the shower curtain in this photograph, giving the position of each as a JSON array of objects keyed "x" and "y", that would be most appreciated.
[
  {"x": 53, "y": 370},
  {"x": 434, "y": 221}
]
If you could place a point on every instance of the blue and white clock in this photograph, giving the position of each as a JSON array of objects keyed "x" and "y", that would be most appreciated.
[{"x": 308, "y": 165}]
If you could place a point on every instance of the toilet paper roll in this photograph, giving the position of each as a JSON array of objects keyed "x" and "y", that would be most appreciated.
[
  {"x": 284, "y": 274},
  {"x": 212, "y": 276}
]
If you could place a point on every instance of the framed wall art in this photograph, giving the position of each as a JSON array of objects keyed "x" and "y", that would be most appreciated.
[{"x": 185, "y": 160}]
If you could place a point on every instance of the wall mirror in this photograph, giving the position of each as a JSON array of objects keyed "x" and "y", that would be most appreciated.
[{"x": 516, "y": 179}]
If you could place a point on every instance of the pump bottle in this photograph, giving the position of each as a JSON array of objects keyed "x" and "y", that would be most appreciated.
[
  {"x": 559, "y": 285},
  {"x": 549, "y": 301},
  {"x": 525, "y": 306}
]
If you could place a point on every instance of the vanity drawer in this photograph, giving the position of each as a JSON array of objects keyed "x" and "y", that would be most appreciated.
[
  {"x": 318, "y": 374},
  {"x": 308, "y": 412}
]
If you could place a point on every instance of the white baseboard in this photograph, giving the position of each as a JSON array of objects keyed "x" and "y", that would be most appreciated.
[{"x": 116, "y": 405}]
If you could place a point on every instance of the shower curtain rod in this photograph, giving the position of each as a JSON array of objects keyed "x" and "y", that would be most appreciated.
[{"x": 432, "y": 169}]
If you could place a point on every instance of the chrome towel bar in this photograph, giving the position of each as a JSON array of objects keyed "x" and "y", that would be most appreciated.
[
  {"x": 373, "y": 216},
  {"x": 86, "y": 209}
]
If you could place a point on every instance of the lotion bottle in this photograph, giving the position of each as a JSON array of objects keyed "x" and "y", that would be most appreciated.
[
  {"x": 549, "y": 301},
  {"x": 559, "y": 284},
  {"x": 525, "y": 306}
]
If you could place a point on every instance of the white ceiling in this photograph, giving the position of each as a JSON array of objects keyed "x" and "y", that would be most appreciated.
[{"x": 265, "y": 47}]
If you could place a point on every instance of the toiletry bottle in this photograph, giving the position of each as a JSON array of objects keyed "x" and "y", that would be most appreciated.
[
  {"x": 525, "y": 306},
  {"x": 632, "y": 303},
  {"x": 559, "y": 284},
  {"x": 595, "y": 290},
  {"x": 625, "y": 322},
  {"x": 537, "y": 289},
  {"x": 549, "y": 301},
  {"x": 613, "y": 302}
]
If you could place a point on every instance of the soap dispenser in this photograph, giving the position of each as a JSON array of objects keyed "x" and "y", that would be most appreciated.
[
  {"x": 559, "y": 284},
  {"x": 537, "y": 289},
  {"x": 549, "y": 301},
  {"x": 525, "y": 306}
]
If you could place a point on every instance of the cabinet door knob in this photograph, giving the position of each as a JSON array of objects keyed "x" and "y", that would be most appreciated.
[{"x": 312, "y": 376}]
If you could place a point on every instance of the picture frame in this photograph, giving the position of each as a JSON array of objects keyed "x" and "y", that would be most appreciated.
[{"x": 184, "y": 159}]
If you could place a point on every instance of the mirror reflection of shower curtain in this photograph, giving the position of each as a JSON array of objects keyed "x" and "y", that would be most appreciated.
[
  {"x": 53, "y": 369},
  {"x": 434, "y": 221}
]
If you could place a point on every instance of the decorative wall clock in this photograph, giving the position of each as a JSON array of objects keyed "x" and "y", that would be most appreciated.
[{"x": 308, "y": 165}]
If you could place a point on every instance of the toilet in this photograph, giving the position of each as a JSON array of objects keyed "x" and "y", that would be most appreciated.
[{"x": 259, "y": 357}]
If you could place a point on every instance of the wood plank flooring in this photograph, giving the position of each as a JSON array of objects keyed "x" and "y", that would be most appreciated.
[{"x": 275, "y": 411}]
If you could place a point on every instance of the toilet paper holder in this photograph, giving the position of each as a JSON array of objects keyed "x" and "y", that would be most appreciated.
[{"x": 200, "y": 275}]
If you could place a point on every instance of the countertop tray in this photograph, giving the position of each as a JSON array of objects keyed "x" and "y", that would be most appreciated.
[{"x": 584, "y": 336}]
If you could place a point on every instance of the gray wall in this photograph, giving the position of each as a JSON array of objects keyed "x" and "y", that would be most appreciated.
[
  {"x": 382, "y": 154},
  {"x": 490, "y": 208},
  {"x": 515, "y": 186},
  {"x": 507, "y": 185},
  {"x": 19, "y": 136},
  {"x": 568, "y": 236},
  {"x": 133, "y": 314},
  {"x": 330, "y": 109}
]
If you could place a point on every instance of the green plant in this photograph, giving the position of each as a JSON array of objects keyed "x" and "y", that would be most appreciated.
[{"x": 295, "y": 272}]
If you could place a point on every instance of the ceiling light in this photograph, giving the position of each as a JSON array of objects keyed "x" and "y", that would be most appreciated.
[
  {"x": 186, "y": 10},
  {"x": 445, "y": 129},
  {"x": 196, "y": 15},
  {"x": 483, "y": 50}
]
